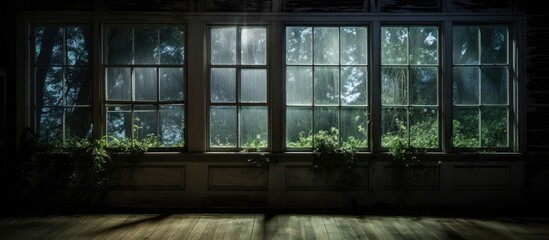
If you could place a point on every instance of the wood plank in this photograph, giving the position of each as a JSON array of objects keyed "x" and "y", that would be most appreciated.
[
  {"x": 185, "y": 226},
  {"x": 344, "y": 228},
  {"x": 258, "y": 231},
  {"x": 331, "y": 228},
  {"x": 210, "y": 228}
]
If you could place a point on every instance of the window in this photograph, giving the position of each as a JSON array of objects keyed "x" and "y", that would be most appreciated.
[
  {"x": 481, "y": 87},
  {"x": 326, "y": 84},
  {"x": 238, "y": 87},
  {"x": 62, "y": 85},
  {"x": 409, "y": 85},
  {"x": 145, "y": 83}
]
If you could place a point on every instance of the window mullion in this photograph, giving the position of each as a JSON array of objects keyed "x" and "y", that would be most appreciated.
[
  {"x": 446, "y": 92},
  {"x": 375, "y": 88}
]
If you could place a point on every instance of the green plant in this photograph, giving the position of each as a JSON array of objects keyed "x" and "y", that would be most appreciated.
[
  {"x": 255, "y": 157},
  {"x": 336, "y": 161}
]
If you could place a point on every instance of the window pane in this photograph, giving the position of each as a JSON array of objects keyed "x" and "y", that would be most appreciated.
[
  {"x": 146, "y": 45},
  {"x": 466, "y": 127},
  {"x": 423, "y": 45},
  {"x": 253, "y": 46},
  {"x": 49, "y": 86},
  {"x": 48, "y": 46},
  {"x": 253, "y": 85},
  {"x": 78, "y": 86},
  {"x": 354, "y": 125},
  {"x": 78, "y": 45},
  {"x": 78, "y": 122},
  {"x": 223, "y": 126},
  {"x": 223, "y": 45},
  {"x": 494, "y": 44},
  {"x": 394, "y": 85},
  {"x": 172, "y": 45},
  {"x": 298, "y": 127},
  {"x": 145, "y": 84},
  {"x": 299, "y": 82},
  {"x": 326, "y": 86},
  {"x": 494, "y": 127},
  {"x": 354, "y": 48},
  {"x": 50, "y": 125},
  {"x": 354, "y": 86},
  {"x": 171, "y": 84},
  {"x": 466, "y": 85},
  {"x": 172, "y": 125},
  {"x": 119, "y": 84},
  {"x": 394, "y": 45},
  {"x": 299, "y": 45},
  {"x": 326, "y": 45},
  {"x": 326, "y": 118},
  {"x": 253, "y": 126},
  {"x": 494, "y": 85},
  {"x": 119, "y": 121},
  {"x": 423, "y": 85},
  {"x": 223, "y": 83},
  {"x": 144, "y": 121},
  {"x": 466, "y": 45},
  {"x": 394, "y": 124},
  {"x": 119, "y": 45},
  {"x": 424, "y": 127}
]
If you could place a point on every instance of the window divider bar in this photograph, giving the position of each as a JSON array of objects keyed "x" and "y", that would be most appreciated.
[
  {"x": 375, "y": 88},
  {"x": 446, "y": 114}
]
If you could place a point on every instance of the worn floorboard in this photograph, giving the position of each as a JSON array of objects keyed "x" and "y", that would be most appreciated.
[{"x": 261, "y": 226}]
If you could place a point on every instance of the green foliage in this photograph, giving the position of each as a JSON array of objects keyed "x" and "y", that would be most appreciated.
[{"x": 255, "y": 157}]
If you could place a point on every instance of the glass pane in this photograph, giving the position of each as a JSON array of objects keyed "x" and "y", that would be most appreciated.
[
  {"x": 172, "y": 45},
  {"x": 49, "y": 123},
  {"x": 119, "y": 84},
  {"x": 119, "y": 45},
  {"x": 354, "y": 127},
  {"x": 494, "y": 127},
  {"x": 78, "y": 122},
  {"x": 494, "y": 44},
  {"x": 465, "y": 127},
  {"x": 326, "y": 45},
  {"x": 326, "y": 118},
  {"x": 223, "y": 45},
  {"x": 78, "y": 45},
  {"x": 223, "y": 126},
  {"x": 253, "y": 126},
  {"x": 299, "y": 84},
  {"x": 326, "y": 85},
  {"x": 253, "y": 85},
  {"x": 48, "y": 46},
  {"x": 172, "y": 126},
  {"x": 424, "y": 127},
  {"x": 494, "y": 85},
  {"x": 394, "y": 86},
  {"x": 299, "y": 45},
  {"x": 466, "y": 85},
  {"x": 394, "y": 45},
  {"x": 394, "y": 124},
  {"x": 144, "y": 121},
  {"x": 119, "y": 121},
  {"x": 145, "y": 84},
  {"x": 354, "y": 86},
  {"x": 223, "y": 83},
  {"x": 423, "y": 45},
  {"x": 253, "y": 46},
  {"x": 299, "y": 126},
  {"x": 172, "y": 86},
  {"x": 354, "y": 45},
  {"x": 49, "y": 86},
  {"x": 146, "y": 45},
  {"x": 423, "y": 86},
  {"x": 466, "y": 45},
  {"x": 78, "y": 86}
]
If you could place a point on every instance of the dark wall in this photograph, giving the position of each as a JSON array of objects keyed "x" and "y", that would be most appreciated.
[{"x": 537, "y": 51}]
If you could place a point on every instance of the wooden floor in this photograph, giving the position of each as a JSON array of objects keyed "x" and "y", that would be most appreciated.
[{"x": 267, "y": 226}]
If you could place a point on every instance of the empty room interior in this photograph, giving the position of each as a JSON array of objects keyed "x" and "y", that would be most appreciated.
[{"x": 274, "y": 119}]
